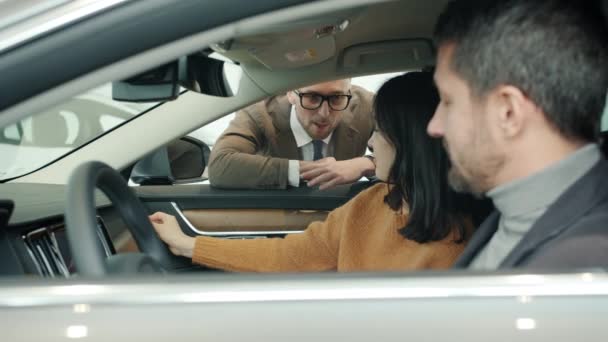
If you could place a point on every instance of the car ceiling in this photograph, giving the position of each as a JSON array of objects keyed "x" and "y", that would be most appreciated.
[{"x": 392, "y": 21}]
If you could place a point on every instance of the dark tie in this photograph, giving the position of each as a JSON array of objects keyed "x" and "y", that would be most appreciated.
[{"x": 318, "y": 146}]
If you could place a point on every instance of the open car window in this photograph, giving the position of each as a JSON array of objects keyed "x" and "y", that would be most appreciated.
[{"x": 212, "y": 131}]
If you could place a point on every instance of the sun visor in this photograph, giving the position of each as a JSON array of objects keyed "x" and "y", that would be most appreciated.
[
  {"x": 296, "y": 55},
  {"x": 397, "y": 54},
  {"x": 289, "y": 45}
]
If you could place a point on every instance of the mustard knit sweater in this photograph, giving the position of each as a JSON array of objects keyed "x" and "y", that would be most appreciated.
[{"x": 361, "y": 235}]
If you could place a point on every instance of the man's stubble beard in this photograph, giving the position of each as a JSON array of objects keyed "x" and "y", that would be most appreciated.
[{"x": 479, "y": 170}]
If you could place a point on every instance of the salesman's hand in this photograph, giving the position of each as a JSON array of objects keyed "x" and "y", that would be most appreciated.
[
  {"x": 327, "y": 172},
  {"x": 169, "y": 231}
]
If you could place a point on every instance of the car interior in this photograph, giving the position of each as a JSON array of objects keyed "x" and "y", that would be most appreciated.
[{"x": 55, "y": 222}]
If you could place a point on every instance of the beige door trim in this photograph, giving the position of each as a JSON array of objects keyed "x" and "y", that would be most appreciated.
[{"x": 243, "y": 222}]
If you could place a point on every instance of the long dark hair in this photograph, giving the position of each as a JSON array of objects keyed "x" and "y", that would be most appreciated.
[{"x": 403, "y": 106}]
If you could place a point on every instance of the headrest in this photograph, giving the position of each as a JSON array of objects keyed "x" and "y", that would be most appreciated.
[{"x": 49, "y": 129}]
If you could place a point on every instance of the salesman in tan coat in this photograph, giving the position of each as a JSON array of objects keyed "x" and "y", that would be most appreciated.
[{"x": 317, "y": 134}]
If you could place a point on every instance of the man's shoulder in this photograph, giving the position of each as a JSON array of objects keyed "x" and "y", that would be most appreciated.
[
  {"x": 268, "y": 107},
  {"x": 595, "y": 219},
  {"x": 270, "y": 112},
  {"x": 588, "y": 199},
  {"x": 360, "y": 115},
  {"x": 584, "y": 241},
  {"x": 583, "y": 245},
  {"x": 362, "y": 96}
]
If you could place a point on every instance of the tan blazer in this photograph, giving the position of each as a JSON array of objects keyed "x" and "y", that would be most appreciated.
[{"x": 254, "y": 151}]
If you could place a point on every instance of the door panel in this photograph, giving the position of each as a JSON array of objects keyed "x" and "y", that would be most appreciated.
[
  {"x": 204, "y": 210},
  {"x": 254, "y": 220},
  {"x": 203, "y": 196}
]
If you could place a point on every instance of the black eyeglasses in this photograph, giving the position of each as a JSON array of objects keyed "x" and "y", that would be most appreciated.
[{"x": 312, "y": 101}]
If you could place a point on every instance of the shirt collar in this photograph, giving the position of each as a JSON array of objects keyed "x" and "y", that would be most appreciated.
[{"x": 302, "y": 137}]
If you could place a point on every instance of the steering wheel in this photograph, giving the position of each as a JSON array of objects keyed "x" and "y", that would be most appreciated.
[{"x": 81, "y": 222}]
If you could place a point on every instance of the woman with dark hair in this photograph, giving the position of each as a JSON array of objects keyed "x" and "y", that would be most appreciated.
[{"x": 411, "y": 220}]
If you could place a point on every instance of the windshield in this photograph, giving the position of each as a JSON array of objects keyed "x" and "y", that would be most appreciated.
[
  {"x": 14, "y": 11},
  {"x": 40, "y": 139}
]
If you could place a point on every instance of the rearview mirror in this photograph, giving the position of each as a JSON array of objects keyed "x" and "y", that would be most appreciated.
[
  {"x": 198, "y": 72},
  {"x": 159, "y": 84}
]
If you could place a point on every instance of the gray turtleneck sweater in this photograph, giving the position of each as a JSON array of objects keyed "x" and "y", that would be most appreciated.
[{"x": 524, "y": 201}]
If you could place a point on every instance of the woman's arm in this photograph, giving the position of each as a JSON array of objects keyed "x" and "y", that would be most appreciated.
[{"x": 316, "y": 249}]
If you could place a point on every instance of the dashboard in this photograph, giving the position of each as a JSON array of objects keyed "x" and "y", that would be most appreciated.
[{"x": 33, "y": 236}]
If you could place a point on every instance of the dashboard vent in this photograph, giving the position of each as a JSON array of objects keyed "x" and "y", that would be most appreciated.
[
  {"x": 48, "y": 248},
  {"x": 44, "y": 249}
]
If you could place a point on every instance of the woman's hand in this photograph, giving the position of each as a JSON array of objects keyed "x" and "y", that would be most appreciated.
[{"x": 168, "y": 230}]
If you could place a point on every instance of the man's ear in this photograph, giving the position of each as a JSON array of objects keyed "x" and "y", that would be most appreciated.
[
  {"x": 513, "y": 109},
  {"x": 292, "y": 97}
]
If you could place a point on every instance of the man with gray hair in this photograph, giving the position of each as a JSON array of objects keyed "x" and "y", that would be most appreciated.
[{"x": 522, "y": 86}]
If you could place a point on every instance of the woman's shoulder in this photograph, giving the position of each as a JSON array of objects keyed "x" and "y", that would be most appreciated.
[
  {"x": 369, "y": 205},
  {"x": 376, "y": 189},
  {"x": 372, "y": 196}
]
